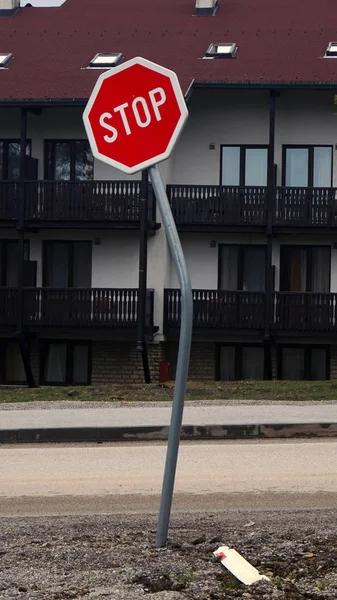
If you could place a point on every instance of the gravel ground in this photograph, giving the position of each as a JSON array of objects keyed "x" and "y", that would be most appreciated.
[
  {"x": 104, "y": 557},
  {"x": 66, "y": 404}
]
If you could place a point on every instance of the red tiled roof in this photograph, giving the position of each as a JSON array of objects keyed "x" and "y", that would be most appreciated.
[{"x": 279, "y": 41}]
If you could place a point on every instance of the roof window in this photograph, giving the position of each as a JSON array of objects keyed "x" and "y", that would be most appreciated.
[
  {"x": 206, "y": 8},
  {"x": 106, "y": 60},
  {"x": 223, "y": 50},
  {"x": 4, "y": 59},
  {"x": 42, "y": 3},
  {"x": 331, "y": 49}
]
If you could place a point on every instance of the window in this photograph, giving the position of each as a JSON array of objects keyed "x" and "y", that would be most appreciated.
[
  {"x": 331, "y": 50},
  {"x": 241, "y": 361},
  {"x": 303, "y": 363},
  {"x": 244, "y": 165},
  {"x": 242, "y": 267},
  {"x": 5, "y": 58},
  {"x": 305, "y": 269},
  {"x": 14, "y": 369},
  {"x": 106, "y": 60},
  {"x": 221, "y": 50},
  {"x": 307, "y": 166},
  {"x": 65, "y": 362},
  {"x": 67, "y": 264},
  {"x": 9, "y": 260},
  {"x": 10, "y": 159},
  {"x": 68, "y": 160},
  {"x": 42, "y": 3}
]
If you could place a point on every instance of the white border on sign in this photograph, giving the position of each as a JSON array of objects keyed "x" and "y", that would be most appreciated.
[{"x": 177, "y": 131}]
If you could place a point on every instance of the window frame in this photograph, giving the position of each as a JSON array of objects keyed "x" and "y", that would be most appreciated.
[
  {"x": 238, "y": 355},
  {"x": 72, "y": 142},
  {"x": 241, "y": 253},
  {"x": 308, "y": 348},
  {"x": 118, "y": 56},
  {"x": 212, "y": 50},
  {"x": 242, "y": 166},
  {"x": 5, "y": 154},
  {"x": 308, "y": 249},
  {"x": 44, "y": 346},
  {"x": 3, "y": 349},
  {"x": 4, "y": 244},
  {"x": 71, "y": 255},
  {"x": 331, "y": 50},
  {"x": 310, "y": 148}
]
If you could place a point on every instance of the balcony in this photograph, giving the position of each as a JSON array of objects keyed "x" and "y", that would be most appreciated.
[
  {"x": 220, "y": 208},
  {"x": 85, "y": 309},
  {"x": 304, "y": 312},
  {"x": 218, "y": 310},
  {"x": 75, "y": 204},
  {"x": 305, "y": 207},
  {"x": 292, "y": 313}
]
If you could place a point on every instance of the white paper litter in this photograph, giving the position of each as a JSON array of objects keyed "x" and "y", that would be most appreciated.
[{"x": 238, "y": 566}]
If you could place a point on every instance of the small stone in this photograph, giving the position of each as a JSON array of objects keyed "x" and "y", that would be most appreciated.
[
  {"x": 250, "y": 524},
  {"x": 199, "y": 540},
  {"x": 22, "y": 588},
  {"x": 216, "y": 539}
]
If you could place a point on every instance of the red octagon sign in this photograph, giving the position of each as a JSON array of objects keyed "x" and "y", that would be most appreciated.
[{"x": 134, "y": 115}]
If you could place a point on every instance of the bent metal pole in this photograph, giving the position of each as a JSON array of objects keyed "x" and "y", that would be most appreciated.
[{"x": 183, "y": 354}]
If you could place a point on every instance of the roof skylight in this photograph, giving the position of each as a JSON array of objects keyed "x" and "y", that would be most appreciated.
[
  {"x": 106, "y": 60},
  {"x": 221, "y": 50},
  {"x": 331, "y": 49},
  {"x": 4, "y": 59}
]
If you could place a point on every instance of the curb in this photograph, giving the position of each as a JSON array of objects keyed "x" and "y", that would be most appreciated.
[{"x": 160, "y": 433}]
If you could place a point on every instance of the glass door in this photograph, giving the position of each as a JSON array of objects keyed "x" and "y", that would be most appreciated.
[
  {"x": 308, "y": 166},
  {"x": 68, "y": 160},
  {"x": 244, "y": 165}
]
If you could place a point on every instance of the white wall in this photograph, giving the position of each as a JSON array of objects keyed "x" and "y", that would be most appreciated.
[
  {"x": 114, "y": 259},
  {"x": 202, "y": 259},
  {"x": 242, "y": 117},
  {"x": 217, "y": 117}
]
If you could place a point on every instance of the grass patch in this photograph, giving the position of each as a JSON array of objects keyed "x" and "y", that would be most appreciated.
[{"x": 214, "y": 390}]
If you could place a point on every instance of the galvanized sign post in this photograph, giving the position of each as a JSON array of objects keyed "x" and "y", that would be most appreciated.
[{"x": 133, "y": 119}]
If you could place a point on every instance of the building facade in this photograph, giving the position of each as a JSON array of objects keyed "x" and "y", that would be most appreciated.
[{"x": 251, "y": 182}]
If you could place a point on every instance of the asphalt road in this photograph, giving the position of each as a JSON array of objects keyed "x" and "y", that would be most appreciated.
[{"x": 69, "y": 479}]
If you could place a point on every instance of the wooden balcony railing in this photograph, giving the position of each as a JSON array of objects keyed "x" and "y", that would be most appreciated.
[
  {"x": 304, "y": 312},
  {"x": 218, "y": 309},
  {"x": 218, "y": 205},
  {"x": 9, "y": 304},
  {"x": 75, "y": 201},
  {"x": 305, "y": 207},
  {"x": 79, "y": 308},
  {"x": 197, "y": 205},
  {"x": 192, "y": 205},
  {"x": 90, "y": 308}
]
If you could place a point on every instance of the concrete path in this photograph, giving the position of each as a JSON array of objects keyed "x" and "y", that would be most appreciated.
[
  {"x": 201, "y": 420},
  {"x": 39, "y": 479},
  {"x": 153, "y": 416}
]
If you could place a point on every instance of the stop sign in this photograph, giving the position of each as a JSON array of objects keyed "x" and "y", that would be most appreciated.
[{"x": 134, "y": 115}]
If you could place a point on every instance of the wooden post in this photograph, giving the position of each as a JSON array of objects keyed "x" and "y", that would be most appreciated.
[{"x": 24, "y": 348}]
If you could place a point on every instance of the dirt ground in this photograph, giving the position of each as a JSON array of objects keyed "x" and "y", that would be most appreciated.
[{"x": 105, "y": 557}]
